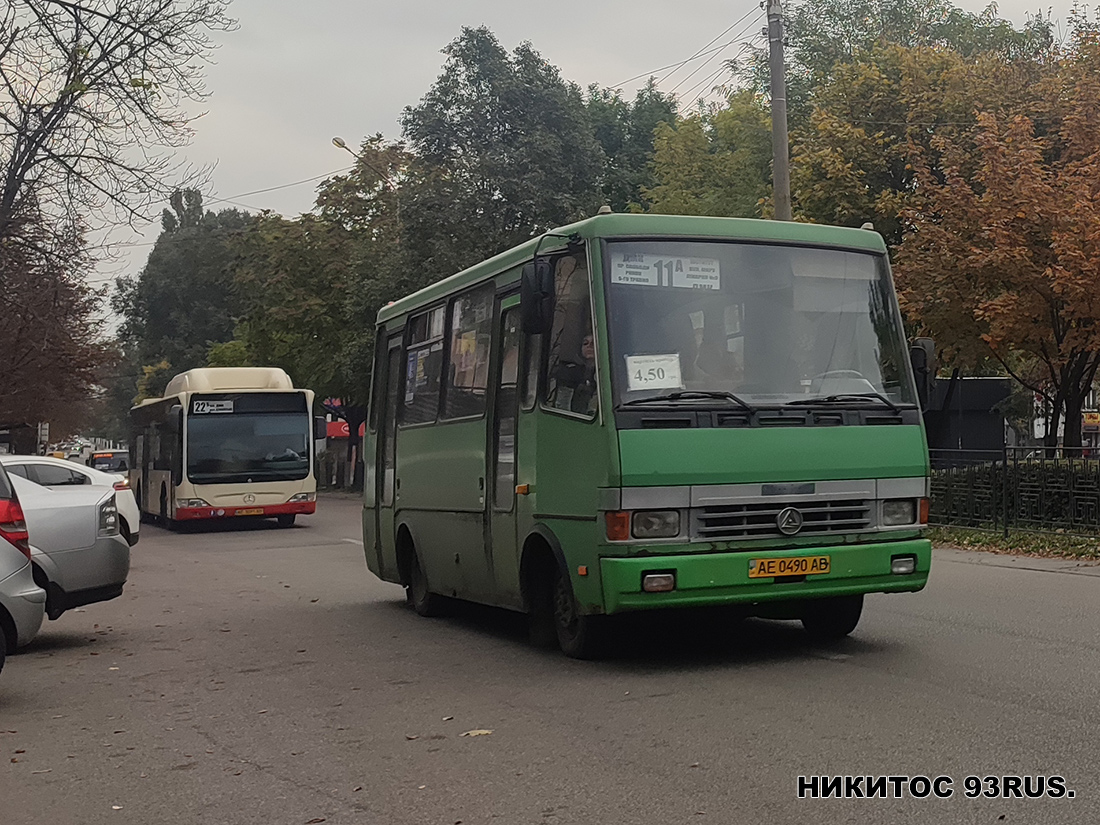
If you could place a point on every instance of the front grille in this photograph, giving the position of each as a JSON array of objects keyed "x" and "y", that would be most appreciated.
[{"x": 757, "y": 519}]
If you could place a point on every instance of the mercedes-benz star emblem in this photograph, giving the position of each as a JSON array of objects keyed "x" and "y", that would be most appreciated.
[
  {"x": 251, "y": 499},
  {"x": 789, "y": 521}
]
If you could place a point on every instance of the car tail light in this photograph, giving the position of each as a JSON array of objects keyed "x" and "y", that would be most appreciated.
[
  {"x": 13, "y": 526},
  {"x": 124, "y": 484},
  {"x": 108, "y": 518}
]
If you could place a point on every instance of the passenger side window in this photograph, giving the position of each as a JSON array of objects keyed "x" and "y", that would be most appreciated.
[
  {"x": 423, "y": 364},
  {"x": 571, "y": 363},
  {"x": 51, "y": 476},
  {"x": 19, "y": 470},
  {"x": 468, "y": 357}
]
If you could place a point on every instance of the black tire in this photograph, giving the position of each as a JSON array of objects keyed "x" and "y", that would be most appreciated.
[
  {"x": 829, "y": 620},
  {"x": 423, "y": 601},
  {"x": 3, "y": 652},
  {"x": 124, "y": 531},
  {"x": 167, "y": 522},
  {"x": 285, "y": 520},
  {"x": 579, "y": 636}
]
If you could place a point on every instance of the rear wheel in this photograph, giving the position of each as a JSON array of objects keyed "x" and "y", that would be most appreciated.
[
  {"x": 828, "y": 620},
  {"x": 579, "y": 636},
  {"x": 423, "y": 601},
  {"x": 286, "y": 520}
]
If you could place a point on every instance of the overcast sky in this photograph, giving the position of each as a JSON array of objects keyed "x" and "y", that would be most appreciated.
[{"x": 296, "y": 73}]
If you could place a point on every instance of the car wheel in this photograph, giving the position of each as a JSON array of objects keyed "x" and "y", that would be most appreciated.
[
  {"x": 124, "y": 531},
  {"x": 828, "y": 620},
  {"x": 579, "y": 636},
  {"x": 423, "y": 601},
  {"x": 286, "y": 520}
]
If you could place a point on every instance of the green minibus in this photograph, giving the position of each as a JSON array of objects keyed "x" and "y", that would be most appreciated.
[{"x": 648, "y": 412}]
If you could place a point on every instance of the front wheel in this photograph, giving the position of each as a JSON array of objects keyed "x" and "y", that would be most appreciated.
[
  {"x": 828, "y": 620},
  {"x": 423, "y": 601},
  {"x": 286, "y": 520},
  {"x": 579, "y": 636}
]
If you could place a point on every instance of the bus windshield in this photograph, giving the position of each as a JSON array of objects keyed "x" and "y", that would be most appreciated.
[
  {"x": 771, "y": 324},
  {"x": 247, "y": 447}
]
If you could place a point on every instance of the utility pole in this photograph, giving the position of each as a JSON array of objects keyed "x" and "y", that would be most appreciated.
[{"x": 781, "y": 172}]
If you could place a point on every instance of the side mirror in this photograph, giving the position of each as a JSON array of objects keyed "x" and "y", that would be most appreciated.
[
  {"x": 536, "y": 296},
  {"x": 922, "y": 355},
  {"x": 173, "y": 419},
  {"x": 320, "y": 428}
]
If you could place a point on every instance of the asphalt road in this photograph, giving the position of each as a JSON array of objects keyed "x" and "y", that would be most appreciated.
[{"x": 259, "y": 675}]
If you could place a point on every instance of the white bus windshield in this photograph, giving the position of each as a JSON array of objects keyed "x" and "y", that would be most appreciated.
[{"x": 235, "y": 439}]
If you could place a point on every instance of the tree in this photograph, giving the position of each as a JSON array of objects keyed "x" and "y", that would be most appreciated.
[
  {"x": 713, "y": 162},
  {"x": 1004, "y": 260},
  {"x": 824, "y": 34},
  {"x": 851, "y": 162},
  {"x": 92, "y": 99},
  {"x": 184, "y": 298},
  {"x": 625, "y": 131},
  {"x": 54, "y": 350},
  {"x": 503, "y": 150}
]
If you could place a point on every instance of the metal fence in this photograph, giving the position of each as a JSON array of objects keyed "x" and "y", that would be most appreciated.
[{"x": 1017, "y": 488}]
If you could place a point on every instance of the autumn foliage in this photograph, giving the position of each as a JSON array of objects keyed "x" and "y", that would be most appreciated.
[{"x": 1001, "y": 256}]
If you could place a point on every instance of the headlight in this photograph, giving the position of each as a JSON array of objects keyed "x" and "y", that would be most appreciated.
[
  {"x": 302, "y": 497},
  {"x": 655, "y": 524},
  {"x": 182, "y": 503},
  {"x": 108, "y": 518},
  {"x": 899, "y": 511}
]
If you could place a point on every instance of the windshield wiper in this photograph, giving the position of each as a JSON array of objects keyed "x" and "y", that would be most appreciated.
[
  {"x": 689, "y": 395},
  {"x": 844, "y": 396}
]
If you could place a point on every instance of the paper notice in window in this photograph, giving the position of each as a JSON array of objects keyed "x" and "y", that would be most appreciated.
[{"x": 653, "y": 372}]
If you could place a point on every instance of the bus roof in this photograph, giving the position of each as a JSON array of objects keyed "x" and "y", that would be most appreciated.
[
  {"x": 628, "y": 225},
  {"x": 229, "y": 379}
]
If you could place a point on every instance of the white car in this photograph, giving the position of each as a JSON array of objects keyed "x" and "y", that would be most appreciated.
[
  {"x": 77, "y": 554},
  {"x": 22, "y": 602},
  {"x": 58, "y": 472}
]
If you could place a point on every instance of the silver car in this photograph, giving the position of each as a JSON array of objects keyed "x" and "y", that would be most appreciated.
[
  {"x": 22, "y": 602},
  {"x": 57, "y": 472},
  {"x": 77, "y": 553}
]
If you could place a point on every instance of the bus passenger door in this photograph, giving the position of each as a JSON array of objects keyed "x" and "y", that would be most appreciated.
[
  {"x": 386, "y": 461},
  {"x": 503, "y": 451}
]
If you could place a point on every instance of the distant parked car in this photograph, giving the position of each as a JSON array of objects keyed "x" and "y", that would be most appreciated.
[
  {"x": 77, "y": 554},
  {"x": 56, "y": 472},
  {"x": 22, "y": 602}
]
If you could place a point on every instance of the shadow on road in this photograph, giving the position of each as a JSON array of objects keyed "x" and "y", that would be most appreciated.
[
  {"x": 49, "y": 641},
  {"x": 241, "y": 524},
  {"x": 681, "y": 639}
]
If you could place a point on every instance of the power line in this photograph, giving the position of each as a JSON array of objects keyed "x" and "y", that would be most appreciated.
[
  {"x": 714, "y": 75},
  {"x": 711, "y": 43},
  {"x": 700, "y": 53},
  {"x": 711, "y": 58}
]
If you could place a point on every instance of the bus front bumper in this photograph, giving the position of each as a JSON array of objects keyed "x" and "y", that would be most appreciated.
[
  {"x": 706, "y": 579},
  {"x": 265, "y": 511}
]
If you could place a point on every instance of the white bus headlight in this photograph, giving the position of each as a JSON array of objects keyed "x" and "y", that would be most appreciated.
[
  {"x": 899, "y": 511},
  {"x": 182, "y": 503},
  {"x": 655, "y": 524},
  {"x": 298, "y": 497}
]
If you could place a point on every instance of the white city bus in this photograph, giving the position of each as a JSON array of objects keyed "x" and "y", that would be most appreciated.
[{"x": 225, "y": 442}]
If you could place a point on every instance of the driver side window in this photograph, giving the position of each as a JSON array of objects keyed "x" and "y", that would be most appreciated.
[{"x": 571, "y": 361}]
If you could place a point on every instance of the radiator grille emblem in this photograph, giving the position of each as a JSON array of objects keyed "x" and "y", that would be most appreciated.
[{"x": 789, "y": 521}]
